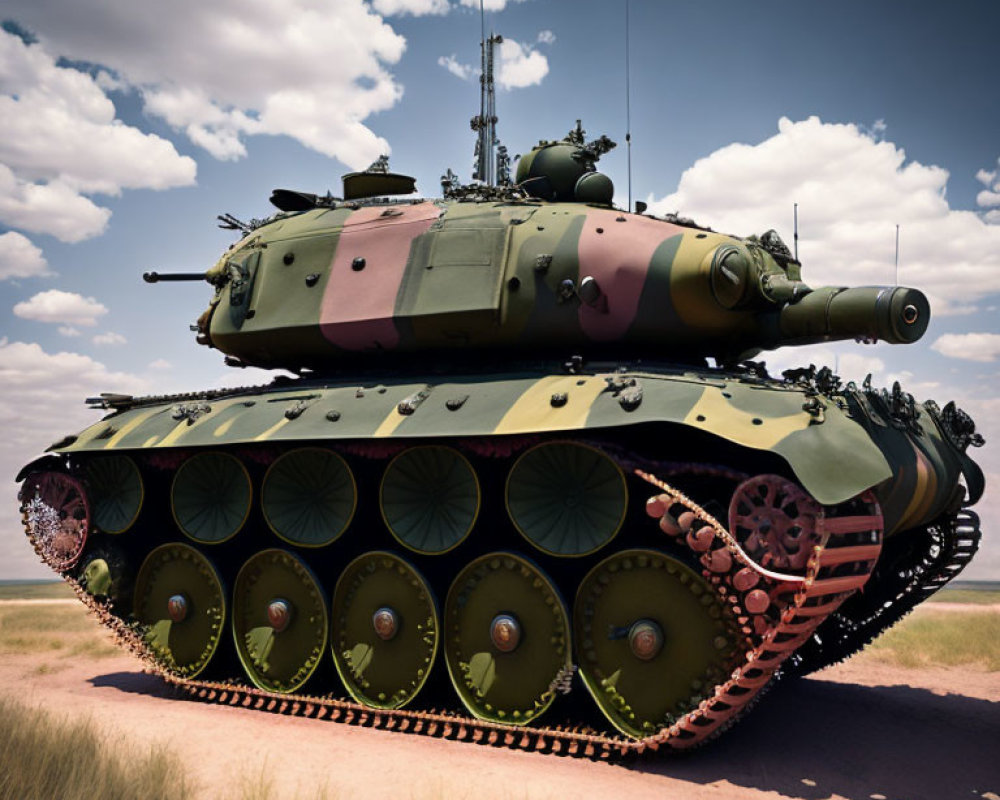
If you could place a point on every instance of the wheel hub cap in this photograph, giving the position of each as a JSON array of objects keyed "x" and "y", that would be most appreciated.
[
  {"x": 279, "y": 614},
  {"x": 645, "y": 639},
  {"x": 505, "y": 633},
  {"x": 386, "y": 623},
  {"x": 177, "y": 607}
]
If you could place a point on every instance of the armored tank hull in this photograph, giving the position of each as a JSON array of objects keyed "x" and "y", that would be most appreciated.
[
  {"x": 595, "y": 559},
  {"x": 506, "y": 482}
]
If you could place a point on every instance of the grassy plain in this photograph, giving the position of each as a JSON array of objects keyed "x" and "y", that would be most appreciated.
[{"x": 44, "y": 756}]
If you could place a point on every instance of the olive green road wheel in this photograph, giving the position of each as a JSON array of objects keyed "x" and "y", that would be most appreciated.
[
  {"x": 309, "y": 496},
  {"x": 429, "y": 498},
  {"x": 506, "y": 639},
  {"x": 180, "y": 600},
  {"x": 652, "y": 639},
  {"x": 279, "y": 621},
  {"x": 210, "y": 497},
  {"x": 385, "y": 630},
  {"x": 116, "y": 492},
  {"x": 567, "y": 499}
]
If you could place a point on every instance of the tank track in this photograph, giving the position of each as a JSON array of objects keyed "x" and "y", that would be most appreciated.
[
  {"x": 951, "y": 542},
  {"x": 849, "y": 545}
]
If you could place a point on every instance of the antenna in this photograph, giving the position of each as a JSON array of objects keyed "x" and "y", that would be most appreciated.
[
  {"x": 628, "y": 106},
  {"x": 795, "y": 228},
  {"x": 897, "y": 254},
  {"x": 486, "y": 123}
]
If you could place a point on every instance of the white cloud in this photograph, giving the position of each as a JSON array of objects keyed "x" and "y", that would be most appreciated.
[
  {"x": 53, "y": 208},
  {"x": 68, "y": 331},
  {"x": 852, "y": 191},
  {"x": 19, "y": 258},
  {"x": 313, "y": 70},
  {"x": 60, "y": 140},
  {"x": 464, "y": 71},
  {"x": 490, "y": 5},
  {"x": 969, "y": 346},
  {"x": 109, "y": 338},
  {"x": 417, "y": 8},
  {"x": 986, "y": 178},
  {"x": 160, "y": 364},
  {"x": 988, "y": 199},
  {"x": 520, "y": 66},
  {"x": 546, "y": 37},
  {"x": 42, "y": 401},
  {"x": 67, "y": 308}
]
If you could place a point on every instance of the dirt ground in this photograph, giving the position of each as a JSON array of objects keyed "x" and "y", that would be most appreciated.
[{"x": 861, "y": 730}]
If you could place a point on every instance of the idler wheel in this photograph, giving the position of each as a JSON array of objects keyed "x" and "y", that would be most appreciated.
[
  {"x": 309, "y": 497},
  {"x": 180, "y": 601},
  {"x": 507, "y": 640},
  {"x": 280, "y": 621},
  {"x": 210, "y": 497},
  {"x": 652, "y": 639},
  {"x": 385, "y": 630},
  {"x": 57, "y": 517},
  {"x": 429, "y": 498},
  {"x": 775, "y": 522},
  {"x": 567, "y": 499},
  {"x": 116, "y": 492}
]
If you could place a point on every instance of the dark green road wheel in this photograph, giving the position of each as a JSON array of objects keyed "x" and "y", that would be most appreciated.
[
  {"x": 385, "y": 630},
  {"x": 309, "y": 496},
  {"x": 279, "y": 621},
  {"x": 116, "y": 492},
  {"x": 652, "y": 639},
  {"x": 210, "y": 497},
  {"x": 567, "y": 499},
  {"x": 429, "y": 498},
  {"x": 179, "y": 598},
  {"x": 506, "y": 639}
]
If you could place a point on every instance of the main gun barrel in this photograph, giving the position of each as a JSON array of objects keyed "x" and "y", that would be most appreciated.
[
  {"x": 156, "y": 277},
  {"x": 894, "y": 314}
]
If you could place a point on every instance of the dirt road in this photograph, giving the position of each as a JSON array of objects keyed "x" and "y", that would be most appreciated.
[{"x": 860, "y": 731}]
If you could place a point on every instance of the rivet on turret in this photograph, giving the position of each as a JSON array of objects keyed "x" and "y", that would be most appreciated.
[
  {"x": 514, "y": 284},
  {"x": 590, "y": 292},
  {"x": 312, "y": 279},
  {"x": 559, "y": 399},
  {"x": 333, "y": 416},
  {"x": 543, "y": 262},
  {"x": 288, "y": 258},
  {"x": 358, "y": 264},
  {"x": 566, "y": 289}
]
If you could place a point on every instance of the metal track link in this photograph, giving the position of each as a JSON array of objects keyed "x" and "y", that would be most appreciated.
[
  {"x": 837, "y": 568},
  {"x": 953, "y": 541}
]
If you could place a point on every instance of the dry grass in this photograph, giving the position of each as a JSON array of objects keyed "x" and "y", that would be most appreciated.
[
  {"x": 61, "y": 631},
  {"x": 971, "y": 596},
  {"x": 937, "y": 638},
  {"x": 48, "y": 590},
  {"x": 44, "y": 757}
]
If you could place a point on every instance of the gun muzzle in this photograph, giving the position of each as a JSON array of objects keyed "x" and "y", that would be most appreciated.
[{"x": 898, "y": 315}]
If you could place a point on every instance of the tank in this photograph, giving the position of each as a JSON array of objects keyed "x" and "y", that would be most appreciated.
[{"x": 526, "y": 471}]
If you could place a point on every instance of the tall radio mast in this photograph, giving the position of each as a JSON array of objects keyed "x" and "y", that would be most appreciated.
[{"x": 491, "y": 165}]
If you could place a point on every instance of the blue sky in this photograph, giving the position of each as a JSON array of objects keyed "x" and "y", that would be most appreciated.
[{"x": 126, "y": 130}]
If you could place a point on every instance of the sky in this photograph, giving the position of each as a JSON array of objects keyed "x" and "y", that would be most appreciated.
[{"x": 127, "y": 128}]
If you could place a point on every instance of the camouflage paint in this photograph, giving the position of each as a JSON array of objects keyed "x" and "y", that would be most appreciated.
[{"x": 358, "y": 305}]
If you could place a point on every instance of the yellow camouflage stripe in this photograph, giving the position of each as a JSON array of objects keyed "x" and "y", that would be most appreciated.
[{"x": 534, "y": 412}]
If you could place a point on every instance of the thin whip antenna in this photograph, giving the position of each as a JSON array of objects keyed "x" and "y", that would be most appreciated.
[
  {"x": 795, "y": 228},
  {"x": 897, "y": 255},
  {"x": 628, "y": 105}
]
